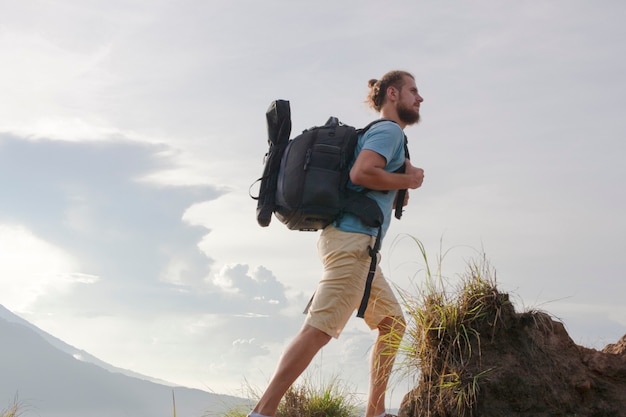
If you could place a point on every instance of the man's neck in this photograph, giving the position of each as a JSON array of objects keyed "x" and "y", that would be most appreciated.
[{"x": 391, "y": 114}]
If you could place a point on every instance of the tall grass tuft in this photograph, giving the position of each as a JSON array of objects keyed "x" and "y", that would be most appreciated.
[
  {"x": 445, "y": 323},
  {"x": 332, "y": 398},
  {"x": 15, "y": 409}
]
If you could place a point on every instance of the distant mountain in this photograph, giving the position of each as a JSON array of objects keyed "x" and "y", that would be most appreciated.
[
  {"x": 51, "y": 382},
  {"x": 71, "y": 350}
]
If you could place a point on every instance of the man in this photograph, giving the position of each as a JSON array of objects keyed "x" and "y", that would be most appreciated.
[{"x": 343, "y": 249}]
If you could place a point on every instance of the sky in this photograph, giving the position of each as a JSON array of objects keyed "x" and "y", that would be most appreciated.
[{"x": 131, "y": 132}]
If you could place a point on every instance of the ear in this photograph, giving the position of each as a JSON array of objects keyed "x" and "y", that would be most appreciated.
[{"x": 393, "y": 93}]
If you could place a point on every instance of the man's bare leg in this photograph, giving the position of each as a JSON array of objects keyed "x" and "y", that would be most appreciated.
[
  {"x": 293, "y": 362},
  {"x": 390, "y": 332}
]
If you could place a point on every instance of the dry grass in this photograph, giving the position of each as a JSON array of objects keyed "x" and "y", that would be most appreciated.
[
  {"x": 444, "y": 332},
  {"x": 332, "y": 398},
  {"x": 15, "y": 409}
]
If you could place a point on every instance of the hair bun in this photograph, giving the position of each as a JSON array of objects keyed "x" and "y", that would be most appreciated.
[{"x": 371, "y": 83}]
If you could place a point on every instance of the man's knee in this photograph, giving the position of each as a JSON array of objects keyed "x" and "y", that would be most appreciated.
[
  {"x": 392, "y": 325},
  {"x": 315, "y": 336}
]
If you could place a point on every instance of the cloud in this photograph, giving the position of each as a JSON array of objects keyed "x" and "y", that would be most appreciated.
[
  {"x": 260, "y": 286},
  {"x": 88, "y": 201},
  {"x": 31, "y": 268},
  {"x": 233, "y": 236},
  {"x": 142, "y": 279}
]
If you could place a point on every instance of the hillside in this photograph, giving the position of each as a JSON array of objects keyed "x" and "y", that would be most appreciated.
[
  {"x": 57, "y": 343},
  {"x": 52, "y": 383},
  {"x": 479, "y": 357}
]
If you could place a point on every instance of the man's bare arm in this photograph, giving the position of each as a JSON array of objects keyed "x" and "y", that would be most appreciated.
[{"x": 368, "y": 171}]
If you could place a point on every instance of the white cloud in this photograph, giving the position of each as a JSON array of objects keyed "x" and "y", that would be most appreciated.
[
  {"x": 247, "y": 348},
  {"x": 30, "y": 268},
  {"x": 257, "y": 288},
  {"x": 179, "y": 271},
  {"x": 234, "y": 237},
  {"x": 224, "y": 281}
]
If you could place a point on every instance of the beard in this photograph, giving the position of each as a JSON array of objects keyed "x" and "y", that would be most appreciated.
[{"x": 408, "y": 115}]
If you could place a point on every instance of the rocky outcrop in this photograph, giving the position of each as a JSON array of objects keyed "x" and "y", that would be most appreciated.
[{"x": 519, "y": 364}]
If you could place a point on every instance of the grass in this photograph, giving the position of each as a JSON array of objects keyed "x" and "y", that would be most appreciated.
[
  {"x": 444, "y": 330},
  {"x": 15, "y": 409},
  {"x": 333, "y": 398},
  {"x": 11, "y": 411}
]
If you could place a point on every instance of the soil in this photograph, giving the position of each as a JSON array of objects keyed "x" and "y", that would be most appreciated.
[{"x": 527, "y": 365}]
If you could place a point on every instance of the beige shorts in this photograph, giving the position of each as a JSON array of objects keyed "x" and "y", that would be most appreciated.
[{"x": 346, "y": 263}]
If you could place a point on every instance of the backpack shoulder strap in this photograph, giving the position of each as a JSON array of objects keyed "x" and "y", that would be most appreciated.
[
  {"x": 372, "y": 123},
  {"x": 401, "y": 194}
]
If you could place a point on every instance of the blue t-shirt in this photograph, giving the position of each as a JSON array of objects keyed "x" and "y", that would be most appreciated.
[{"x": 387, "y": 139}]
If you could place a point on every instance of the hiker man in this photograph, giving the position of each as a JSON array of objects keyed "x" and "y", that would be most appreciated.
[{"x": 343, "y": 249}]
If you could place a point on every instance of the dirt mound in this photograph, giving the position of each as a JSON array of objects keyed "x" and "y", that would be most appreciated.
[{"x": 503, "y": 363}]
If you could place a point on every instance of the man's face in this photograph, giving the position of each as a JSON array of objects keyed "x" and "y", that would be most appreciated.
[{"x": 408, "y": 106}]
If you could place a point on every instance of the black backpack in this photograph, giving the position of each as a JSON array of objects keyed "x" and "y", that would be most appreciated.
[
  {"x": 311, "y": 188},
  {"x": 304, "y": 182}
]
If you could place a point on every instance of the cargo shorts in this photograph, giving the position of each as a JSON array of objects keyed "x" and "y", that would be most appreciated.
[{"x": 346, "y": 261}]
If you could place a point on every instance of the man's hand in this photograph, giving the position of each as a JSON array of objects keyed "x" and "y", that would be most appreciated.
[{"x": 416, "y": 175}]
